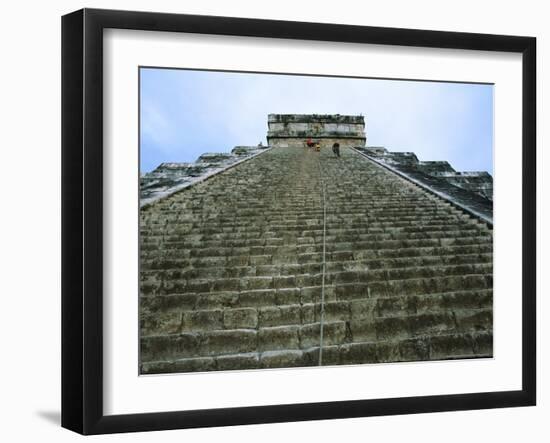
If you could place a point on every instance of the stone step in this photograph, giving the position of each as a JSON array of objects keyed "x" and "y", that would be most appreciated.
[
  {"x": 425, "y": 324},
  {"x": 373, "y": 259},
  {"x": 253, "y": 232},
  {"x": 167, "y": 316},
  {"x": 315, "y": 237},
  {"x": 174, "y": 304},
  {"x": 175, "y": 281},
  {"x": 337, "y": 256},
  {"x": 447, "y": 346},
  {"x": 334, "y": 209},
  {"x": 257, "y": 226},
  {"x": 232, "y": 341},
  {"x": 281, "y": 275},
  {"x": 364, "y": 197},
  {"x": 180, "y": 268},
  {"x": 299, "y": 216},
  {"x": 214, "y": 251}
]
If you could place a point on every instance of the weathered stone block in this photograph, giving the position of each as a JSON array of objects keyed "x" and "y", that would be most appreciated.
[
  {"x": 363, "y": 329},
  {"x": 194, "y": 364},
  {"x": 240, "y": 318},
  {"x": 431, "y": 324},
  {"x": 156, "y": 367},
  {"x": 483, "y": 343},
  {"x": 333, "y": 333},
  {"x": 279, "y": 315},
  {"x": 363, "y": 308},
  {"x": 330, "y": 356},
  {"x": 341, "y": 255},
  {"x": 279, "y": 337},
  {"x": 478, "y": 320},
  {"x": 228, "y": 342},
  {"x": 257, "y": 260},
  {"x": 308, "y": 313},
  {"x": 225, "y": 284},
  {"x": 358, "y": 353},
  {"x": 351, "y": 291},
  {"x": 475, "y": 282},
  {"x": 290, "y": 269},
  {"x": 255, "y": 298},
  {"x": 414, "y": 350},
  {"x": 166, "y": 302},
  {"x": 194, "y": 286},
  {"x": 387, "y": 352},
  {"x": 393, "y": 306},
  {"x": 453, "y": 345},
  {"x": 217, "y": 300},
  {"x": 287, "y": 296},
  {"x": 201, "y": 320},
  {"x": 288, "y": 281},
  {"x": 308, "y": 280},
  {"x": 334, "y": 311},
  {"x": 282, "y": 359},
  {"x": 311, "y": 294},
  {"x": 251, "y": 283},
  {"x": 169, "y": 347},
  {"x": 237, "y": 362},
  {"x": 392, "y": 328},
  {"x": 242, "y": 260}
]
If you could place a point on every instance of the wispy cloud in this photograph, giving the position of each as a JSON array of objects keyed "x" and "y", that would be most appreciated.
[{"x": 156, "y": 126}]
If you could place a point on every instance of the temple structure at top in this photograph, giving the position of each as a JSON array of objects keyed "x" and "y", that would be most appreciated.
[{"x": 293, "y": 129}]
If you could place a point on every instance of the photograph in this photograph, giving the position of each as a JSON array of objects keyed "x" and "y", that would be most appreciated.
[{"x": 291, "y": 220}]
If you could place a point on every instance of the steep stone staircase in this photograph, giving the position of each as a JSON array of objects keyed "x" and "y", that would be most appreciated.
[{"x": 231, "y": 269}]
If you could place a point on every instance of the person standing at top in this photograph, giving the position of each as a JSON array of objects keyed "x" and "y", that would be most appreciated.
[{"x": 336, "y": 149}]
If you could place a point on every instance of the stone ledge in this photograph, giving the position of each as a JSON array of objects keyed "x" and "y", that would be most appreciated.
[{"x": 169, "y": 178}]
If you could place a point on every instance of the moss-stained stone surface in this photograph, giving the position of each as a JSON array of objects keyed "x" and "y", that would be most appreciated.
[
  {"x": 231, "y": 269},
  {"x": 473, "y": 189},
  {"x": 169, "y": 178},
  {"x": 294, "y": 129}
]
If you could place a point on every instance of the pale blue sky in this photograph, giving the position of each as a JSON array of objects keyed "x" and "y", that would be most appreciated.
[{"x": 186, "y": 113}]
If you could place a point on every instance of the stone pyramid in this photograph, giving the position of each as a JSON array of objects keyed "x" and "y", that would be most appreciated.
[{"x": 295, "y": 258}]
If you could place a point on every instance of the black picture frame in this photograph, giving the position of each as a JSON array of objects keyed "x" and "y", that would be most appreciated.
[{"x": 82, "y": 215}]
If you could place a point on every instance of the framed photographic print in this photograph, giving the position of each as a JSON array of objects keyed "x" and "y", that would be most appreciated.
[{"x": 269, "y": 221}]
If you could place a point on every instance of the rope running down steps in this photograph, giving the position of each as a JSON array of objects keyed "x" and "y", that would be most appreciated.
[{"x": 323, "y": 266}]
